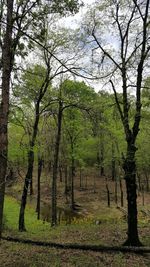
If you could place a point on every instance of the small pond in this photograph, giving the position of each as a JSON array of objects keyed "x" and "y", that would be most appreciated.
[{"x": 64, "y": 215}]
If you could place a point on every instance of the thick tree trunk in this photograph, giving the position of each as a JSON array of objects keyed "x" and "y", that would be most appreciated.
[
  {"x": 55, "y": 167},
  {"x": 7, "y": 59},
  {"x": 130, "y": 178}
]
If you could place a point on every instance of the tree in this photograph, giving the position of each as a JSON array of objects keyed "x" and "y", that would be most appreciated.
[
  {"x": 16, "y": 19},
  {"x": 7, "y": 61},
  {"x": 129, "y": 26},
  {"x": 70, "y": 94},
  {"x": 37, "y": 89}
]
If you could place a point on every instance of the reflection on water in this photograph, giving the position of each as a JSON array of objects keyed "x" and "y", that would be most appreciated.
[{"x": 63, "y": 215}]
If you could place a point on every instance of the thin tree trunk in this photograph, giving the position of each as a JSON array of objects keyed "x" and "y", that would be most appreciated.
[
  {"x": 28, "y": 178},
  {"x": 72, "y": 180},
  {"x": 60, "y": 173},
  {"x": 94, "y": 184},
  {"x": 66, "y": 184},
  {"x": 108, "y": 194},
  {"x": 116, "y": 191},
  {"x": 25, "y": 191},
  {"x": 121, "y": 192},
  {"x": 55, "y": 167},
  {"x": 40, "y": 164},
  {"x": 7, "y": 61},
  {"x": 80, "y": 178},
  {"x": 147, "y": 181},
  {"x": 139, "y": 182},
  {"x": 102, "y": 160},
  {"x": 143, "y": 196},
  {"x": 113, "y": 163}
]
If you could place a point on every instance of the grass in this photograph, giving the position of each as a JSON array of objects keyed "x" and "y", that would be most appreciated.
[{"x": 110, "y": 230}]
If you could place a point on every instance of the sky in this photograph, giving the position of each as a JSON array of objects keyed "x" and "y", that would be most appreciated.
[{"x": 72, "y": 21}]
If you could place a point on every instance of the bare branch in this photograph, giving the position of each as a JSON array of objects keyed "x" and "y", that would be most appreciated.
[{"x": 117, "y": 101}]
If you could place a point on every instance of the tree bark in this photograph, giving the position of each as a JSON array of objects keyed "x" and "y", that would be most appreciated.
[
  {"x": 28, "y": 177},
  {"x": 113, "y": 164},
  {"x": 121, "y": 193},
  {"x": 40, "y": 164},
  {"x": 102, "y": 159},
  {"x": 25, "y": 191},
  {"x": 130, "y": 179},
  {"x": 72, "y": 181},
  {"x": 7, "y": 61},
  {"x": 55, "y": 167}
]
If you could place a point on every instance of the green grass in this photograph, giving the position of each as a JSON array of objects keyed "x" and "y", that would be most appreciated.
[{"x": 111, "y": 231}]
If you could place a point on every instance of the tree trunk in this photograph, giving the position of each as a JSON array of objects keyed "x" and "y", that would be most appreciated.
[
  {"x": 147, "y": 181},
  {"x": 116, "y": 191},
  {"x": 139, "y": 181},
  {"x": 60, "y": 173},
  {"x": 108, "y": 193},
  {"x": 28, "y": 178},
  {"x": 55, "y": 167},
  {"x": 7, "y": 61},
  {"x": 130, "y": 179},
  {"x": 113, "y": 163},
  {"x": 121, "y": 192},
  {"x": 40, "y": 164},
  {"x": 72, "y": 182},
  {"x": 102, "y": 160},
  {"x": 143, "y": 197},
  {"x": 66, "y": 183},
  {"x": 80, "y": 177},
  {"x": 25, "y": 191}
]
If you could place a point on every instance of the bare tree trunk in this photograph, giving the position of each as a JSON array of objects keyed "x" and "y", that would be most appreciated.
[
  {"x": 66, "y": 184},
  {"x": 7, "y": 59},
  {"x": 80, "y": 177},
  {"x": 108, "y": 193},
  {"x": 143, "y": 196},
  {"x": 102, "y": 159},
  {"x": 116, "y": 191},
  {"x": 139, "y": 182},
  {"x": 147, "y": 181},
  {"x": 25, "y": 191},
  {"x": 60, "y": 173},
  {"x": 113, "y": 163},
  {"x": 40, "y": 164},
  {"x": 28, "y": 178},
  {"x": 55, "y": 167},
  {"x": 121, "y": 192},
  {"x": 72, "y": 180}
]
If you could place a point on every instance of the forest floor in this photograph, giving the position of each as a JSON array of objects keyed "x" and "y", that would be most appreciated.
[{"x": 94, "y": 224}]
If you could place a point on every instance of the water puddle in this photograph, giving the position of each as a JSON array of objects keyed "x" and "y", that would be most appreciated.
[{"x": 64, "y": 215}]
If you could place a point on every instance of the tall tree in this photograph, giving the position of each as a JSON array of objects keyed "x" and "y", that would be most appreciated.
[
  {"x": 129, "y": 30},
  {"x": 7, "y": 62},
  {"x": 17, "y": 17}
]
